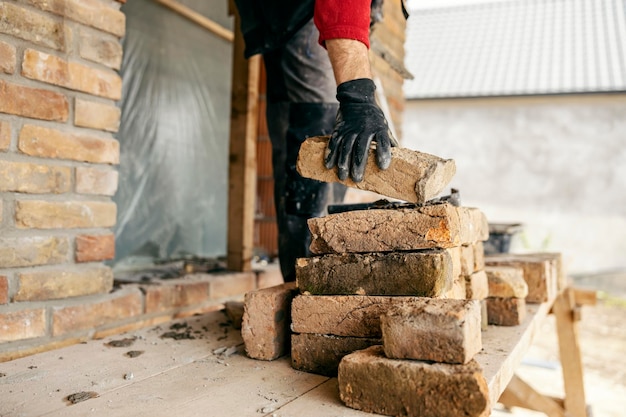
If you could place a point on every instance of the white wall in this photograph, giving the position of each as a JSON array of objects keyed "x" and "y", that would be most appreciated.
[{"x": 556, "y": 164}]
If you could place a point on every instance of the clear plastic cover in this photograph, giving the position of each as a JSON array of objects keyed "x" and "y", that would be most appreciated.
[{"x": 172, "y": 196}]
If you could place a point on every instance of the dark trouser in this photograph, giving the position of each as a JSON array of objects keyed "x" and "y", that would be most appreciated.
[{"x": 300, "y": 103}]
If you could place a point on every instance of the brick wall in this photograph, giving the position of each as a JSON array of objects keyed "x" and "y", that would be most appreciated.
[{"x": 59, "y": 83}]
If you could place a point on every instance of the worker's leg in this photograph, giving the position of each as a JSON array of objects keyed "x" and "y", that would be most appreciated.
[{"x": 300, "y": 103}]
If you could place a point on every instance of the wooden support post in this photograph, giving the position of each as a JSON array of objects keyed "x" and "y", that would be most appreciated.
[
  {"x": 519, "y": 394},
  {"x": 570, "y": 355},
  {"x": 242, "y": 155},
  {"x": 199, "y": 19}
]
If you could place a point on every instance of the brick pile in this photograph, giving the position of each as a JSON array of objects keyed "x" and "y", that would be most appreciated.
[{"x": 369, "y": 261}]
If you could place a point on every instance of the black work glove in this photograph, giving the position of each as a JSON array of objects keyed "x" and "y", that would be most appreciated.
[{"x": 359, "y": 122}]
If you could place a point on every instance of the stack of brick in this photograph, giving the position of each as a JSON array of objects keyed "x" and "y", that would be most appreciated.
[
  {"x": 506, "y": 305},
  {"x": 369, "y": 261},
  {"x": 425, "y": 366}
]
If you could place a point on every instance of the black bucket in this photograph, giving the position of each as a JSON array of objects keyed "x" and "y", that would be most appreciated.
[{"x": 500, "y": 235}]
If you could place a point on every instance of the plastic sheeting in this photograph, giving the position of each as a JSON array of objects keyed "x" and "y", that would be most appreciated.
[{"x": 172, "y": 195}]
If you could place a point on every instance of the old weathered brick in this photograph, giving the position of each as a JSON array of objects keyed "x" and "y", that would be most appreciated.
[
  {"x": 17, "y": 252},
  {"x": 506, "y": 282},
  {"x": 175, "y": 294},
  {"x": 231, "y": 284},
  {"x": 34, "y": 27},
  {"x": 90, "y": 248},
  {"x": 24, "y": 177},
  {"x": 96, "y": 47},
  {"x": 477, "y": 286},
  {"x": 425, "y": 274},
  {"x": 321, "y": 354},
  {"x": 113, "y": 307},
  {"x": 433, "y": 330},
  {"x": 506, "y": 311},
  {"x": 479, "y": 256},
  {"x": 51, "y": 69},
  {"x": 51, "y": 143},
  {"x": 556, "y": 263},
  {"x": 4, "y": 290},
  {"x": 50, "y": 284},
  {"x": 64, "y": 214},
  {"x": 35, "y": 103},
  {"x": 5, "y": 135},
  {"x": 89, "y": 12},
  {"x": 266, "y": 319},
  {"x": 343, "y": 315},
  {"x": 380, "y": 230},
  {"x": 22, "y": 324},
  {"x": 96, "y": 115},
  {"x": 370, "y": 382},
  {"x": 96, "y": 181},
  {"x": 8, "y": 58},
  {"x": 538, "y": 274},
  {"x": 458, "y": 290},
  {"x": 412, "y": 176},
  {"x": 467, "y": 259}
]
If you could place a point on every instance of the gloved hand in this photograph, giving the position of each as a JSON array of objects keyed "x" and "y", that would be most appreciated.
[{"x": 359, "y": 122}]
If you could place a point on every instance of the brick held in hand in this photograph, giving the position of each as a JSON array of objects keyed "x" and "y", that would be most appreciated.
[{"x": 412, "y": 176}]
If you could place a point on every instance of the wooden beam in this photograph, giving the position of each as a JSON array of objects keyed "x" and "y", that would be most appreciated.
[
  {"x": 199, "y": 19},
  {"x": 242, "y": 155},
  {"x": 519, "y": 394},
  {"x": 585, "y": 297},
  {"x": 569, "y": 352}
]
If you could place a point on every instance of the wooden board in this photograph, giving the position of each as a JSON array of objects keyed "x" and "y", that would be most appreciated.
[{"x": 185, "y": 377}]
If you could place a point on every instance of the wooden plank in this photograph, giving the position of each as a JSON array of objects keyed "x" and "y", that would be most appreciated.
[
  {"x": 519, "y": 394},
  {"x": 505, "y": 347},
  {"x": 199, "y": 19},
  {"x": 585, "y": 297},
  {"x": 242, "y": 155},
  {"x": 569, "y": 352},
  {"x": 30, "y": 385},
  {"x": 233, "y": 387}
]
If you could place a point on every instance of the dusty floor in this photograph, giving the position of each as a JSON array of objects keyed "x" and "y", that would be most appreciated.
[{"x": 603, "y": 344}]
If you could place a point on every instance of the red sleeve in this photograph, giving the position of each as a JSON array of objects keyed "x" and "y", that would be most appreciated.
[{"x": 343, "y": 19}]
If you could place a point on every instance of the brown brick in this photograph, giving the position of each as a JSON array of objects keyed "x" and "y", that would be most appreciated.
[
  {"x": 93, "y": 13},
  {"x": 380, "y": 230},
  {"x": 266, "y": 320},
  {"x": 506, "y": 311},
  {"x": 23, "y": 324},
  {"x": 424, "y": 274},
  {"x": 96, "y": 181},
  {"x": 34, "y": 27},
  {"x": 114, "y": 307},
  {"x": 23, "y": 177},
  {"x": 506, "y": 282},
  {"x": 90, "y": 248},
  {"x": 51, "y": 69},
  {"x": 477, "y": 286},
  {"x": 538, "y": 274},
  {"x": 479, "y": 256},
  {"x": 96, "y": 47},
  {"x": 33, "y": 102},
  {"x": 4, "y": 290},
  {"x": 321, "y": 354},
  {"x": 64, "y": 214},
  {"x": 17, "y": 252},
  {"x": 51, "y": 143},
  {"x": 556, "y": 265},
  {"x": 174, "y": 295},
  {"x": 96, "y": 115},
  {"x": 343, "y": 315},
  {"x": 370, "y": 382},
  {"x": 8, "y": 58},
  {"x": 467, "y": 259},
  {"x": 231, "y": 284},
  {"x": 269, "y": 276},
  {"x": 433, "y": 330},
  {"x": 53, "y": 284},
  {"x": 5, "y": 135},
  {"x": 412, "y": 176}
]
